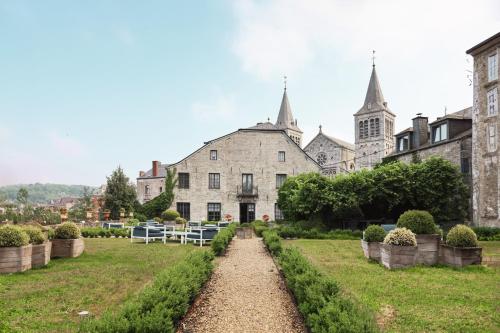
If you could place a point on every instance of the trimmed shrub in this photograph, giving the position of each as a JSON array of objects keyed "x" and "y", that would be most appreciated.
[
  {"x": 418, "y": 221},
  {"x": 140, "y": 217},
  {"x": 259, "y": 230},
  {"x": 160, "y": 306},
  {"x": 35, "y": 234},
  {"x": 222, "y": 239},
  {"x": 13, "y": 236},
  {"x": 180, "y": 220},
  {"x": 170, "y": 215},
  {"x": 133, "y": 222},
  {"x": 487, "y": 233},
  {"x": 400, "y": 237},
  {"x": 374, "y": 233},
  {"x": 461, "y": 236},
  {"x": 67, "y": 230},
  {"x": 272, "y": 241}
]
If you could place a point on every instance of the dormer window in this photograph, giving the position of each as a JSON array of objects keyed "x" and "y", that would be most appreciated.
[
  {"x": 493, "y": 67},
  {"x": 440, "y": 133},
  {"x": 404, "y": 142}
]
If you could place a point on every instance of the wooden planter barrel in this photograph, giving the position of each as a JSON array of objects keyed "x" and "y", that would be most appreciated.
[
  {"x": 371, "y": 250},
  {"x": 460, "y": 256},
  {"x": 40, "y": 254},
  {"x": 67, "y": 248},
  {"x": 428, "y": 249},
  {"x": 244, "y": 233},
  {"x": 15, "y": 259},
  {"x": 395, "y": 256}
]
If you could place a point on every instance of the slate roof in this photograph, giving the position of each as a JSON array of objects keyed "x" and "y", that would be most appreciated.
[
  {"x": 462, "y": 114},
  {"x": 374, "y": 97},
  {"x": 285, "y": 117},
  {"x": 338, "y": 142}
]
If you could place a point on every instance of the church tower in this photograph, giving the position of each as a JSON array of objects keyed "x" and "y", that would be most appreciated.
[
  {"x": 374, "y": 125},
  {"x": 286, "y": 121}
]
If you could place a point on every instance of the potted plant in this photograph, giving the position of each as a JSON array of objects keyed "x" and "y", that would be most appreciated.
[
  {"x": 170, "y": 215},
  {"x": 107, "y": 213},
  {"x": 122, "y": 212},
  {"x": 41, "y": 247},
  {"x": 399, "y": 249},
  {"x": 228, "y": 218},
  {"x": 180, "y": 220},
  {"x": 15, "y": 250},
  {"x": 265, "y": 218},
  {"x": 67, "y": 242},
  {"x": 461, "y": 248},
  {"x": 372, "y": 237},
  {"x": 428, "y": 236}
]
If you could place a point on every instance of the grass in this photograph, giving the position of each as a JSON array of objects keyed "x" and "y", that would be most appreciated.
[
  {"x": 109, "y": 272},
  {"x": 419, "y": 299}
]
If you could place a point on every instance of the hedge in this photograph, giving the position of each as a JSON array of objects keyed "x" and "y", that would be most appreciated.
[
  {"x": 159, "y": 307},
  {"x": 94, "y": 232},
  {"x": 487, "y": 233},
  {"x": 222, "y": 239},
  {"x": 297, "y": 232},
  {"x": 320, "y": 301}
]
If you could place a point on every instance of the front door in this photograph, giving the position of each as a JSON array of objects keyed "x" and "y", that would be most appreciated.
[{"x": 247, "y": 212}]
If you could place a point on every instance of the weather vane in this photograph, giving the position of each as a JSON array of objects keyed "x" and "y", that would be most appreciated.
[
  {"x": 373, "y": 58},
  {"x": 284, "y": 80}
]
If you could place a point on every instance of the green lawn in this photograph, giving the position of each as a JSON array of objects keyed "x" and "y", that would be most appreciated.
[
  {"x": 419, "y": 299},
  {"x": 110, "y": 271}
]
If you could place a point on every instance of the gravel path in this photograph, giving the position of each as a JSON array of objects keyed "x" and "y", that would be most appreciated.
[{"x": 245, "y": 294}]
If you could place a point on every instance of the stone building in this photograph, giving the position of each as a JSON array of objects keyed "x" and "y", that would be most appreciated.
[
  {"x": 374, "y": 127},
  {"x": 485, "y": 125},
  {"x": 334, "y": 155},
  {"x": 449, "y": 137},
  {"x": 237, "y": 174}
]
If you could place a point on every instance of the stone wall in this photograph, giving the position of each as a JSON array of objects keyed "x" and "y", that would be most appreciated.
[{"x": 338, "y": 159}]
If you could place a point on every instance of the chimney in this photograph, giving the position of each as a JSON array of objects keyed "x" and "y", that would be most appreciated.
[
  {"x": 420, "y": 130},
  {"x": 156, "y": 164},
  {"x": 142, "y": 173}
]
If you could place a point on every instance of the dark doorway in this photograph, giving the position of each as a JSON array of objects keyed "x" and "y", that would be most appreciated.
[{"x": 247, "y": 212}]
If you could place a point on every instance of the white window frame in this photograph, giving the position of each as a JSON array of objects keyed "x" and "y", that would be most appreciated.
[
  {"x": 281, "y": 156},
  {"x": 492, "y": 138},
  {"x": 492, "y": 102},
  {"x": 493, "y": 67},
  {"x": 213, "y": 155},
  {"x": 401, "y": 142},
  {"x": 438, "y": 134}
]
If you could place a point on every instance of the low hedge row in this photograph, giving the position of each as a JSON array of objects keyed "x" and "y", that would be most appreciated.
[
  {"x": 94, "y": 232},
  {"x": 487, "y": 233},
  {"x": 222, "y": 239},
  {"x": 320, "y": 301},
  {"x": 296, "y": 232},
  {"x": 159, "y": 307}
]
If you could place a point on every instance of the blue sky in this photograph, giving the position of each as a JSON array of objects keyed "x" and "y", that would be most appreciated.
[{"x": 87, "y": 86}]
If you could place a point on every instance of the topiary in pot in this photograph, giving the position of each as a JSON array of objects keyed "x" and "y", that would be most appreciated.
[
  {"x": 370, "y": 244},
  {"x": 40, "y": 253},
  {"x": 461, "y": 248},
  {"x": 427, "y": 233},
  {"x": 67, "y": 241},
  {"x": 170, "y": 215},
  {"x": 15, "y": 249},
  {"x": 399, "y": 249}
]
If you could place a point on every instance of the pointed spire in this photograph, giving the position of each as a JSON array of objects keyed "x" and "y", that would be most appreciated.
[
  {"x": 285, "y": 117},
  {"x": 374, "y": 98}
]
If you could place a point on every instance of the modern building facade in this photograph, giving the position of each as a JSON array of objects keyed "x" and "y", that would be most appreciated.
[
  {"x": 374, "y": 127},
  {"x": 485, "y": 125}
]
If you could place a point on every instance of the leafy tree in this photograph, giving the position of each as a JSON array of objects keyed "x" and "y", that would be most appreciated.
[
  {"x": 22, "y": 196},
  {"x": 120, "y": 193},
  {"x": 155, "y": 207}
]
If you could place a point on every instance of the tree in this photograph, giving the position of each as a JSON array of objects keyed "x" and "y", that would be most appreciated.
[
  {"x": 22, "y": 196},
  {"x": 120, "y": 193},
  {"x": 158, "y": 205}
]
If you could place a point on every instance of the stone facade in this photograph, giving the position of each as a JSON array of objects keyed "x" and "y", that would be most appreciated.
[
  {"x": 151, "y": 183},
  {"x": 334, "y": 155},
  {"x": 374, "y": 127},
  {"x": 255, "y": 152},
  {"x": 485, "y": 138}
]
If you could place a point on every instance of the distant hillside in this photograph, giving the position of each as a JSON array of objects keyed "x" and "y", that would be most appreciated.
[{"x": 43, "y": 193}]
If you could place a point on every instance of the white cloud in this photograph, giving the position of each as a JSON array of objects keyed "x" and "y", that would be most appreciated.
[
  {"x": 284, "y": 36},
  {"x": 221, "y": 107},
  {"x": 66, "y": 145}
]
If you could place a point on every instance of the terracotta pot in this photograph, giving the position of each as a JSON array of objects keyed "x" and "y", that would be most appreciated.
[
  {"x": 428, "y": 249},
  {"x": 15, "y": 259},
  {"x": 395, "y": 256},
  {"x": 106, "y": 215},
  {"x": 40, "y": 255},
  {"x": 67, "y": 248},
  {"x": 460, "y": 256},
  {"x": 371, "y": 250}
]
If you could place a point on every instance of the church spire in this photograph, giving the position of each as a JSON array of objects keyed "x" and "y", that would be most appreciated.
[
  {"x": 285, "y": 117},
  {"x": 374, "y": 100}
]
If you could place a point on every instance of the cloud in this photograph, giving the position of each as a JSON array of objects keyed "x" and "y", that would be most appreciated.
[
  {"x": 221, "y": 107},
  {"x": 284, "y": 36},
  {"x": 66, "y": 145}
]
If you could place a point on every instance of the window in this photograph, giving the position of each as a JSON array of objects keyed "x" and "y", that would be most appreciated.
[
  {"x": 278, "y": 214},
  {"x": 360, "y": 125},
  {"x": 493, "y": 67},
  {"x": 280, "y": 179},
  {"x": 403, "y": 142},
  {"x": 214, "y": 180},
  {"x": 465, "y": 166},
  {"x": 440, "y": 133},
  {"x": 281, "y": 156},
  {"x": 184, "y": 210},
  {"x": 213, "y": 212},
  {"x": 321, "y": 159},
  {"x": 492, "y": 102},
  {"x": 247, "y": 183},
  {"x": 492, "y": 138},
  {"x": 213, "y": 155},
  {"x": 183, "y": 180},
  {"x": 372, "y": 127},
  {"x": 377, "y": 127},
  {"x": 146, "y": 189},
  {"x": 365, "y": 129},
  {"x": 161, "y": 189}
]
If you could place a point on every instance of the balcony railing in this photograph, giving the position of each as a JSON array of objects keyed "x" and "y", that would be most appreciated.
[{"x": 247, "y": 192}]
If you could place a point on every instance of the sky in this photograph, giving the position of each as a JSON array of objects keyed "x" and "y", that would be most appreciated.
[{"x": 87, "y": 86}]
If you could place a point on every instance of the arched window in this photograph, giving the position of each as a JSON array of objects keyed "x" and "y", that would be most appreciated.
[
  {"x": 361, "y": 130},
  {"x": 365, "y": 128},
  {"x": 372, "y": 127},
  {"x": 377, "y": 127}
]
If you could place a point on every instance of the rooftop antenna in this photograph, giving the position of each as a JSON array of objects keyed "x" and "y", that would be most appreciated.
[
  {"x": 373, "y": 58},
  {"x": 445, "y": 110}
]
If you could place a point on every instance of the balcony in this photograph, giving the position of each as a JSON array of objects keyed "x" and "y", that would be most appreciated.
[{"x": 247, "y": 192}]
